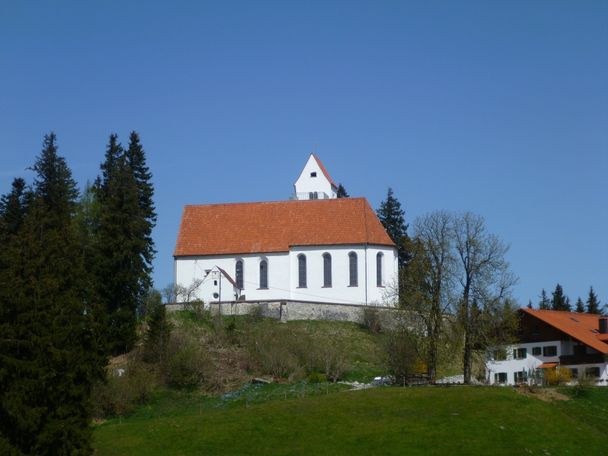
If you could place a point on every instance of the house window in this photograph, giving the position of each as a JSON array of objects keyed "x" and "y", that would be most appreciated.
[
  {"x": 519, "y": 353},
  {"x": 326, "y": 270},
  {"x": 263, "y": 274},
  {"x": 238, "y": 274},
  {"x": 313, "y": 174},
  {"x": 302, "y": 271},
  {"x": 536, "y": 351},
  {"x": 574, "y": 372},
  {"x": 499, "y": 355},
  {"x": 353, "y": 273},
  {"x": 520, "y": 377},
  {"x": 379, "y": 279},
  {"x": 500, "y": 377},
  {"x": 592, "y": 372},
  {"x": 550, "y": 350}
]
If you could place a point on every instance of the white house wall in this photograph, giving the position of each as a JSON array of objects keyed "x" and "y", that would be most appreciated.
[
  {"x": 283, "y": 275},
  {"x": 531, "y": 362}
]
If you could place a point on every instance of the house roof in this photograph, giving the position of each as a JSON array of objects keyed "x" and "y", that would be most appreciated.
[
  {"x": 327, "y": 176},
  {"x": 547, "y": 365},
  {"x": 580, "y": 326},
  {"x": 267, "y": 227}
]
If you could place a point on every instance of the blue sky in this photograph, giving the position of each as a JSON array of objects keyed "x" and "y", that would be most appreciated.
[{"x": 500, "y": 108}]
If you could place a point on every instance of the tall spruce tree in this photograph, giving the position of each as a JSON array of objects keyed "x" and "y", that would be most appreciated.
[
  {"x": 392, "y": 217},
  {"x": 545, "y": 302},
  {"x": 593, "y": 303},
  {"x": 125, "y": 249},
  {"x": 49, "y": 358},
  {"x": 559, "y": 300},
  {"x": 580, "y": 307},
  {"x": 341, "y": 192}
]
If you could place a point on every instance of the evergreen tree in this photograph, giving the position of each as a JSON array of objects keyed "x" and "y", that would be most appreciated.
[
  {"x": 392, "y": 217},
  {"x": 580, "y": 307},
  {"x": 530, "y": 304},
  {"x": 559, "y": 300},
  {"x": 341, "y": 193},
  {"x": 545, "y": 302},
  {"x": 49, "y": 358},
  {"x": 159, "y": 328},
  {"x": 593, "y": 303},
  {"x": 125, "y": 249}
]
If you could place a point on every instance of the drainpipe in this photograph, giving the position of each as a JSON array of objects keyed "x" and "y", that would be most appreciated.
[{"x": 365, "y": 274}]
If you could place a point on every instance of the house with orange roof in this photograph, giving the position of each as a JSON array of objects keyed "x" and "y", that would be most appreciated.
[
  {"x": 552, "y": 339},
  {"x": 313, "y": 247}
]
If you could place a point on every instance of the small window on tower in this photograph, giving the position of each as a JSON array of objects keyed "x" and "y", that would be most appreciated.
[{"x": 313, "y": 174}]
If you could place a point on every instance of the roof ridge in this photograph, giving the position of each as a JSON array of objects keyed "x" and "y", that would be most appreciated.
[{"x": 234, "y": 203}]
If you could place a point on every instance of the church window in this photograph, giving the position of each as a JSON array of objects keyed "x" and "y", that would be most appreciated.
[
  {"x": 302, "y": 271},
  {"x": 238, "y": 274},
  {"x": 313, "y": 174},
  {"x": 379, "y": 278},
  {"x": 353, "y": 270},
  {"x": 313, "y": 195},
  {"x": 326, "y": 270},
  {"x": 263, "y": 274}
]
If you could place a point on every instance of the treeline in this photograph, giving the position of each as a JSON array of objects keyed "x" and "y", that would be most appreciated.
[
  {"x": 454, "y": 284},
  {"x": 74, "y": 270},
  {"x": 559, "y": 301}
]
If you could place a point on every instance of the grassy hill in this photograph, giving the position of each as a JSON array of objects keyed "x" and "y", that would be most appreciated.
[{"x": 276, "y": 419}]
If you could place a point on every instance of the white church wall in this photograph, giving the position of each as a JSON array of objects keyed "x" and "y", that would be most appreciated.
[
  {"x": 307, "y": 184},
  {"x": 340, "y": 291},
  {"x": 192, "y": 268}
]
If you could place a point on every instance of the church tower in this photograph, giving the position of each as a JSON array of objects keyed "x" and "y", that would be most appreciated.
[{"x": 315, "y": 182}]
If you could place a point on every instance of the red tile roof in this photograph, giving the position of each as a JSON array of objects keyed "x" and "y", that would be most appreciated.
[
  {"x": 267, "y": 227},
  {"x": 327, "y": 176},
  {"x": 580, "y": 326},
  {"x": 547, "y": 365}
]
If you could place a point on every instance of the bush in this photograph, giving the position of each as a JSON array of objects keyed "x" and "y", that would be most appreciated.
[
  {"x": 187, "y": 364},
  {"x": 316, "y": 377},
  {"x": 120, "y": 395},
  {"x": 402, "y": 359},
  {"x": 371, "y": 320},
  {"x": 557, "y": 376},
  {"x": 196, "y": 309}
]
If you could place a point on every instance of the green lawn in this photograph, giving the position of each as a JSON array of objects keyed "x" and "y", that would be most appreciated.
[{"x": 276, "y": 419}]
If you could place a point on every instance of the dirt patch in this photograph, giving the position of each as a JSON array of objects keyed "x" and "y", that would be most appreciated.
[{"x": 544, "y": 394}]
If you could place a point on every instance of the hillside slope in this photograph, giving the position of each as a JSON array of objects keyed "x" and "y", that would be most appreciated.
[{"x": 425, "y": 421}]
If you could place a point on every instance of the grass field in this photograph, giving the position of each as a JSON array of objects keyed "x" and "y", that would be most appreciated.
[{"x": 324, "y": 419}]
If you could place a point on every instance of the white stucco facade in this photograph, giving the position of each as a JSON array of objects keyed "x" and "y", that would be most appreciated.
[
  {"x": 506, "y": 371},
  {"x": 283, "y": 275}
]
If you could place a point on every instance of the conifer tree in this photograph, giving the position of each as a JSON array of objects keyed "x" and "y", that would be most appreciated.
[
  {"x": 341, "y": 192},
  {"x": 545, "y": 302},
  {"x": 530, "y": 304},
  {"x": 49, "y": 358},
  {"x": 125, "y": 249},
  {"x": 580, "y": 307},
  {"x": 117, "y": 260},
  {"x": 159, "y": 329},
  {"x": 559, "y": 300},
  {"x": 593, "y": 303},
  {"x": 392, "y": 217}
]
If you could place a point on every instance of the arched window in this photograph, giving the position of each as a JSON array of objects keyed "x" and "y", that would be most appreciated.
[
  {"x": 379, "y": 279},
  {"x": 353, "y": 270},
  {"x": 263, "y": 274},
  {"x": 302, "y": 271},
  {"x": 238, "y": 274},
  {"x": 326, "y": 270}
]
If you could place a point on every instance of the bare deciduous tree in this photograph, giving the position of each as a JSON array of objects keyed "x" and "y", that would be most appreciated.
[{"x": 485, "y": 281}]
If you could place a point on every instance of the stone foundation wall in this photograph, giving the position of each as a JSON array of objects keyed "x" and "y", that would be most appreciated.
[{"x": 287, "y": 310}]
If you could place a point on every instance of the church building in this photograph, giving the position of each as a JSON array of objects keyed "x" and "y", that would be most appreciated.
[{"x": 313, "y": 248}]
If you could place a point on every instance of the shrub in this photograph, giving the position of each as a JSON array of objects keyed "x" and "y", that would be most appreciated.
[
  {"x": 371, "y": 320},
  {"x": 157, "y": 335},
  {"x": 558, "y": 376},
  {"x": 196, "y": 309},
  {"x": 401, "y": 355},
  {"x": 316, "y": 377},
  {"x": 120, "y": 395},
  {"x": 187, "y": 364}
]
